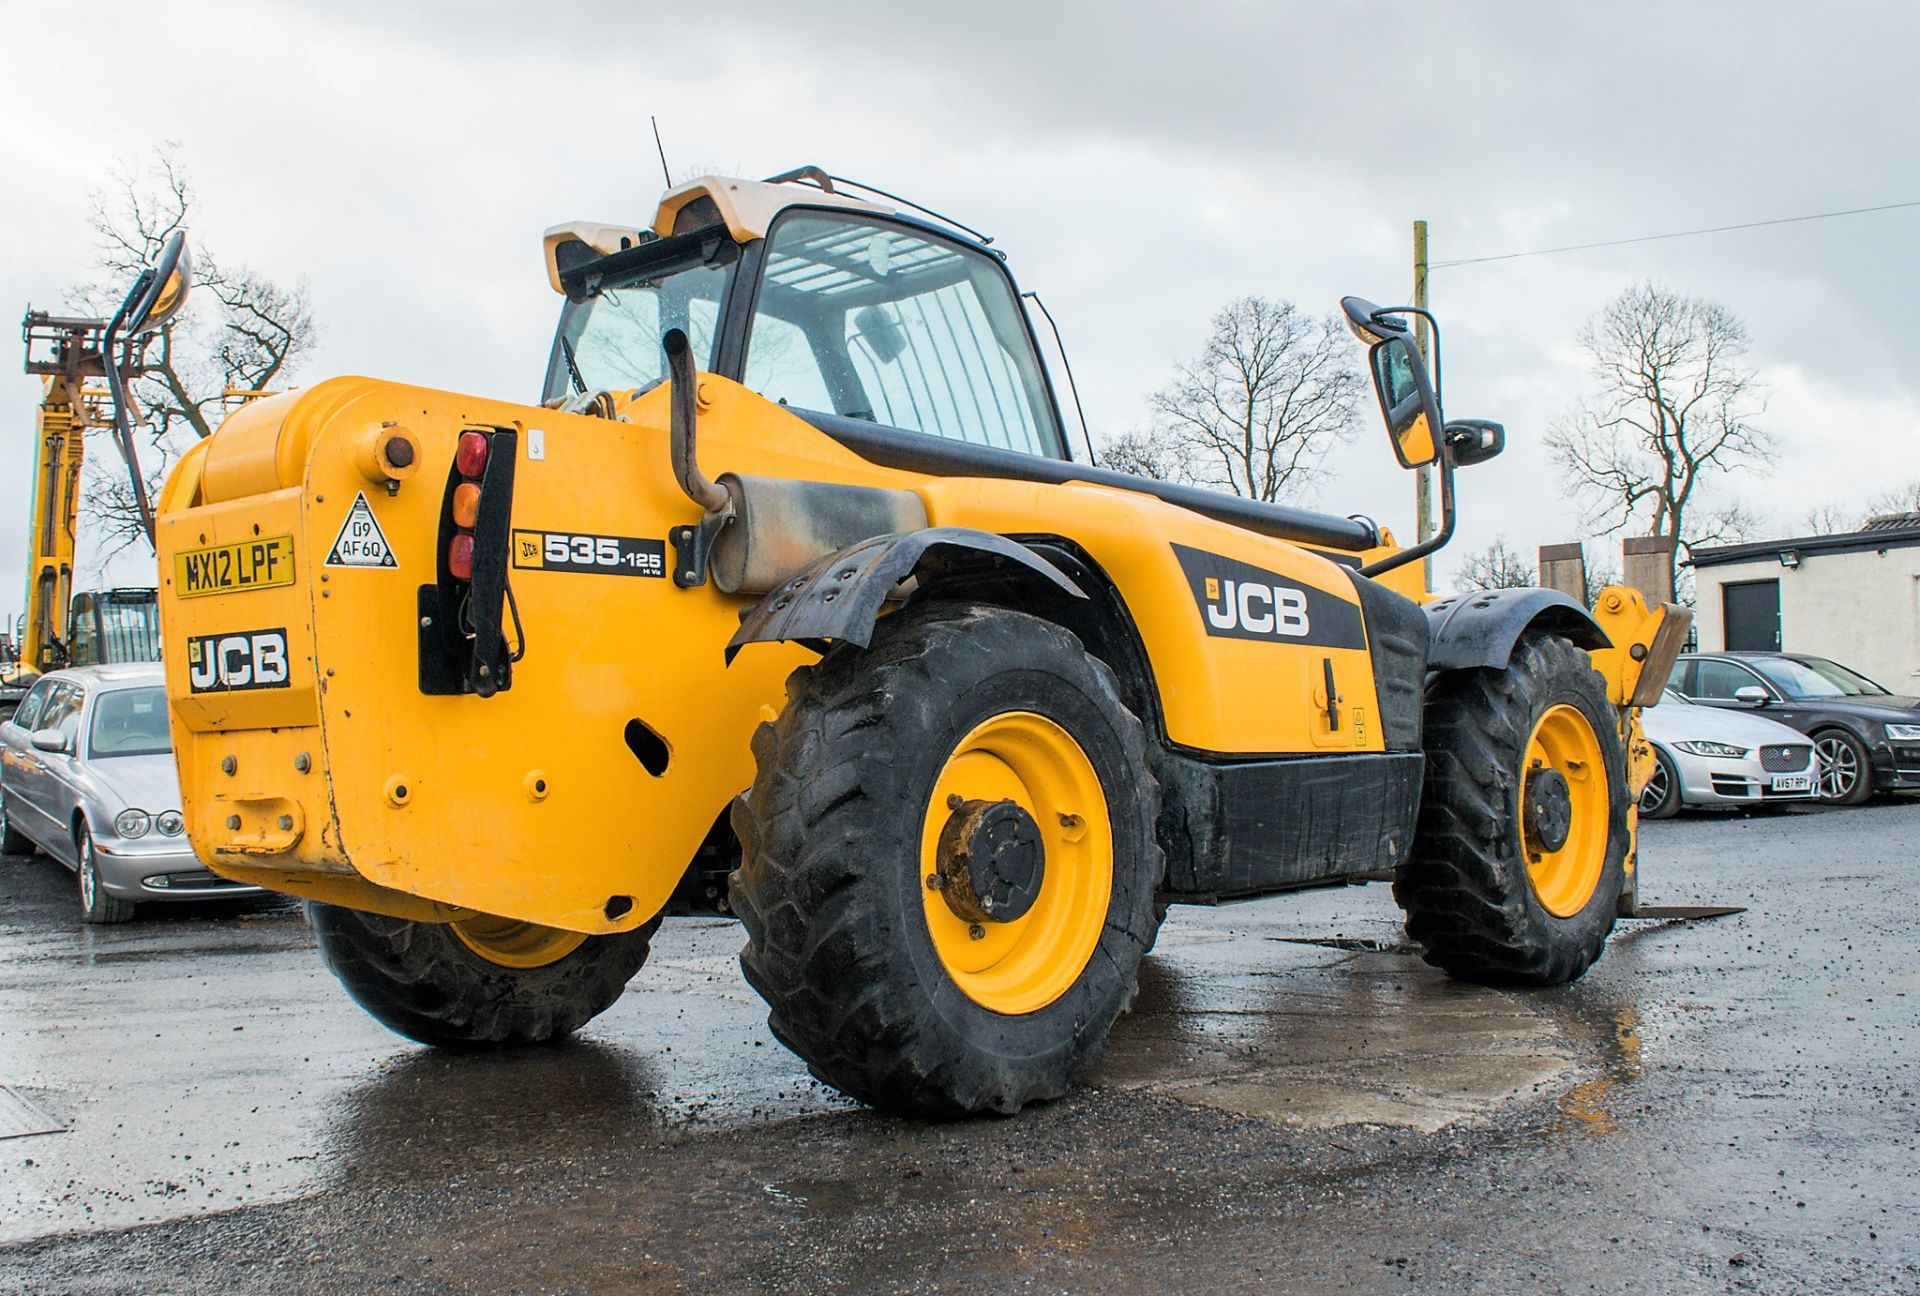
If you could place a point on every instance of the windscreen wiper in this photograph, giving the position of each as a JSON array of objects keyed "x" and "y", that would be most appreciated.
[{"x": 573, "y": 366}]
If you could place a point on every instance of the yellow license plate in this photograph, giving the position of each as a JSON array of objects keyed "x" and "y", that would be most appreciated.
[{"x": 224, "y": 569}]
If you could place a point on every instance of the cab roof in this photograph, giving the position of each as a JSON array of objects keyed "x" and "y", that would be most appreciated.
[{"x": 746, "y": 207}]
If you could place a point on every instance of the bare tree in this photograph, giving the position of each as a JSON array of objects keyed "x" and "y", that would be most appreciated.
[
  {"x": 1904, "y": 500},
  {"x": 1830, "y": 519},
  {"x": 1272, "y": 390},
  {"x": 1144, "y": 454},
  {"x": 240, "y": 331},
  {"x": 1675, "y": 408},
  {"x": 1498, "y": 566}
]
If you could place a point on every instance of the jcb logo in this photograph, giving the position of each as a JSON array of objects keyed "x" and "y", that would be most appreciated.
[
  {"x": 1237, "y": 600},
  {"x": 1258, "y": 609},
  {"x": 246, "y": 659}
]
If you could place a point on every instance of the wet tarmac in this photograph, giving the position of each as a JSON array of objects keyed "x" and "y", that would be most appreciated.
[{"x": 1297, "y": 1104}]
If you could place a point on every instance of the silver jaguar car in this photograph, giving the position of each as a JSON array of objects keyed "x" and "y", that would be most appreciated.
[
  {"x": 87, "y": 775},
  {"x": 1706, "y": 756}
]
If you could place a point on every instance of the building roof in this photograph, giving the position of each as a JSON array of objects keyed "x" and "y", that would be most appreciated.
[{"x": 1891, "y": 531}]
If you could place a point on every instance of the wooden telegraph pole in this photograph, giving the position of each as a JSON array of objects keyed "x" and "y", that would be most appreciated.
[{"x": 1422, "y": 477}]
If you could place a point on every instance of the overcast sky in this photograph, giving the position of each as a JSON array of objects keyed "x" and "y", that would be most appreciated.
[{"x": 1140, "y": 165}]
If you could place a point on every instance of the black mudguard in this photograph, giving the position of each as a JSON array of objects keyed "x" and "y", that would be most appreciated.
[
  {"x": 1479, "y": 629},
  {"x": 839, "y": 597}
]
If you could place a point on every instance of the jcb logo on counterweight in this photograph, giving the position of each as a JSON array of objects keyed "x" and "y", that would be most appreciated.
[
  {"x": 245, "y": 659},
  {"x": 1237, "y": 600}
]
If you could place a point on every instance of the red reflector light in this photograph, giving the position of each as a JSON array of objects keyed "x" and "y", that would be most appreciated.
[
  {"x": 466, "y": 504},
  {"x": 470, "y": 456},
  {"x": 460, "y": 558}
]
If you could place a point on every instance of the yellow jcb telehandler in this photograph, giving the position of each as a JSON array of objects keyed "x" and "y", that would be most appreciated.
[{"x": 789, "y": 600}]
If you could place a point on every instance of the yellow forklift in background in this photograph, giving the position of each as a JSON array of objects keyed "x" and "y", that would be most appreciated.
[{"x": 85, "y": 366}]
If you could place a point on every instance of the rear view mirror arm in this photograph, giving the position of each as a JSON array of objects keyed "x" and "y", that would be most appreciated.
[{"x": 1444, "y": 462}]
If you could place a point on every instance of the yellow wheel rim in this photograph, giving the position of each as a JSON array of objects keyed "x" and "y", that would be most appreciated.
[
  {"x": 1564, "y": 879},
  {"x": 515, "y": 944},
  {"x": 1023, "y": 965}
]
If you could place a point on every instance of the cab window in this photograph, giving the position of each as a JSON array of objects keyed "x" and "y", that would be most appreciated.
[
  {"x": 881, "y": 322},
  {"x": 610, "y": 333}
]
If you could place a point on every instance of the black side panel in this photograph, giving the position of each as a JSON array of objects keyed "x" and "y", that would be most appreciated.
[
  {"x": 1397, "y": 642},
  {"x": 1251, "y": 826},
  {"x": 939, "y": 457}
]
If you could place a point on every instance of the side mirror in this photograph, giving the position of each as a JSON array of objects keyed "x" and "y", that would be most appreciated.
[
  {"x": 49, "y": 740},
  {"x": 160, "y": 292},
  {"x": 1407, "y": 401},
  {"x": 1752, "y": 695},
  {"x": 1472, "y": 441}
]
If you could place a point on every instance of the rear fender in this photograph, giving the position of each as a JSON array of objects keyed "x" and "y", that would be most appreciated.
[
  {"x": 840, "y": 596},
  {"x": 1479, "y": 629}
]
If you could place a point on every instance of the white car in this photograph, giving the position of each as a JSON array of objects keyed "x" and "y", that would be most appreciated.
[{"x": 1709, "y": 756}]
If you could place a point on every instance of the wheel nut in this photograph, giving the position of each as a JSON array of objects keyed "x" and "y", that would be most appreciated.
[
  {"x": 977, "y": 932},
  {"x": 955, "y": 801},
  {"x": 233, "y": 823},
  {"x": 285, "y": 823},
  {"x": 935, "y": 882}
]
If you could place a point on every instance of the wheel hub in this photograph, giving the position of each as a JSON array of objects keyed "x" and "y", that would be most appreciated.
[
  {"x": 1549, "y": 809},
  {"x": 992, "y": 861}
]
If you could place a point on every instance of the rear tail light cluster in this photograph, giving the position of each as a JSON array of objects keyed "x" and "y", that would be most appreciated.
[{"x": 470, "y": 461}]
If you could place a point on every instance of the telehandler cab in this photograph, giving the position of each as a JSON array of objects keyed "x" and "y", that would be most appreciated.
[{"x": 790, "y": 601}]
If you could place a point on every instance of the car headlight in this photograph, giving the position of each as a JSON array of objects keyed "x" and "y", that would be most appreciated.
[
  {"x": 1905, "y": 733},
  {"x": 170, "y": 823},
  {"x": 132, "y": 823},
  {"x": 1693, "y": 748}
]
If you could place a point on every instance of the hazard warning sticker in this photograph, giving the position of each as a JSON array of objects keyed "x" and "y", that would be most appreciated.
[{"x": 361, "y": 542}]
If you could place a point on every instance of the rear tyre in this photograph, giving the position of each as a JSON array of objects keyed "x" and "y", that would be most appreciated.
[
  {"x": 12, "y": 840},
  {"x": 96, "y": 906},
  {"x": 1660, "y": 798},
  {"x": 948, "y": 862},
  {"x": 1518, "y": 860},
  {"x": 484, "y": 982},
  {"x": 1846, "y": 779}
]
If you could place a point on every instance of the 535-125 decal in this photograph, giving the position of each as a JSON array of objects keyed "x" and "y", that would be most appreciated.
[{"x": 574, "y": 551}]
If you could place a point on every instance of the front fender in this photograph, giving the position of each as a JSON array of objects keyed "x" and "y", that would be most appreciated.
[
  {"x": 1479, "y": 629},
  {"x": 839, "y": 597}
]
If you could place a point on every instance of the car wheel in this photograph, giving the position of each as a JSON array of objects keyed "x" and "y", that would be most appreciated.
[
  {"x": 12, "y": 840},
  {"x": 1660, "y": 798},
  {"x": 96, "y": 906},
  {"x": 1845, "y": 777}
]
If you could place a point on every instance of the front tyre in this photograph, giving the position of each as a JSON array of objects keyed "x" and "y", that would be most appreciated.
[
  {"x": 1519, "y": 857},
  {"x": 948, "y": 862},
  {"x": 481, "y": 982},
  {"x": 96, "y": 906}
]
